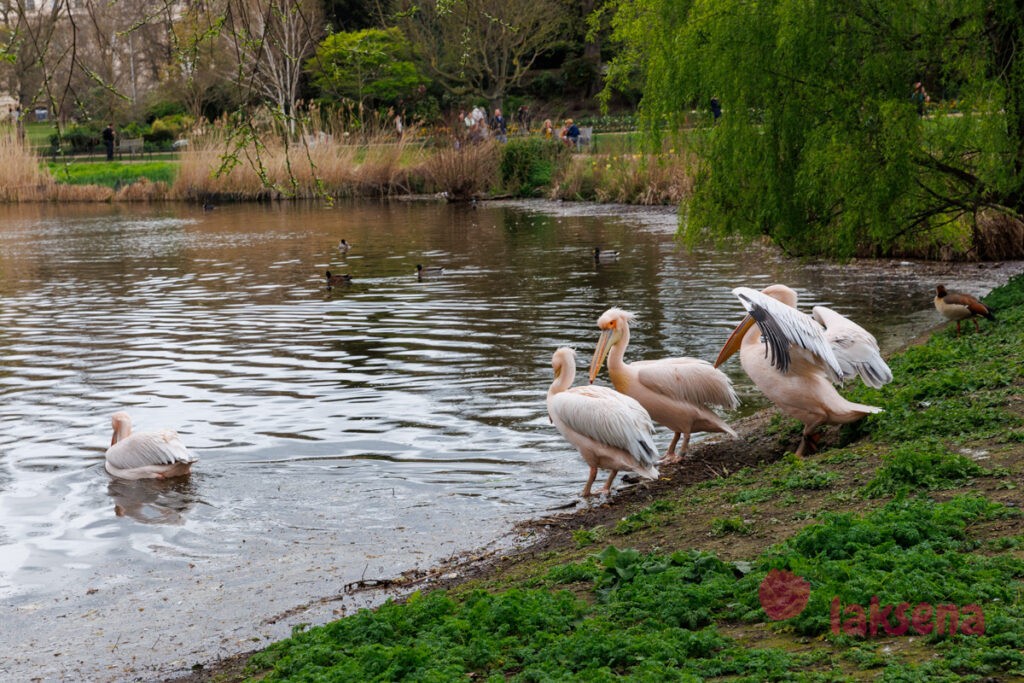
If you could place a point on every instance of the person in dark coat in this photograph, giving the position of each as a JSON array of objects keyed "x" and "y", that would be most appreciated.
[{"x": 108, "y": 141}]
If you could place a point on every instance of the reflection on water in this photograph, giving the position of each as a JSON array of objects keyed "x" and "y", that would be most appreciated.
[
  {"x": 343, "y": 433},
  {"x": 152, "y": 501}
]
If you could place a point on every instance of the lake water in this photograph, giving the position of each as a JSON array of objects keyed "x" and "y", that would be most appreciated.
[{"x": 343, "y": 434}]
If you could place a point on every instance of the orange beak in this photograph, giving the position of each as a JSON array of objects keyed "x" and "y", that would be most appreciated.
[
  {"x": 732, "y": 344},
  {"x": 604, "y": 345}
]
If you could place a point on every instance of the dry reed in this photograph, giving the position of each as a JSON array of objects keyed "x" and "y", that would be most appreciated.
[
  {"x": 21, "y": 178},
  {"x": 463, "y": 172},
  {"x": 647, "y": 179},
  {"x": 248, "y": 164}
]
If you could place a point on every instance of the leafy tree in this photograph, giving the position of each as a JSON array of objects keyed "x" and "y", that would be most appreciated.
[
  {"x": 820, "y": 146},
  {"x": 372, "y": 67},
  {"x": 479, "y": 47}
]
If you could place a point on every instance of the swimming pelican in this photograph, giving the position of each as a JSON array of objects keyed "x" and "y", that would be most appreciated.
[
  {"x": 146, "y": 455},
  {"x": 794, "y": 360},
  {"x": 956, "y": 306},
  {"x": 600, "y": 255},
  {"x": 429, "y": 271},
  {"x": 677, "y": 392},
  {"x": 334, "y": 280},
  {"x": 344, "y": 246},
  {"x": 610, "y": 430}
]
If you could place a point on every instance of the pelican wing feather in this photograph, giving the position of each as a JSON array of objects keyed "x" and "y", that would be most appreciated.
[
  {"x": 143, "y": 449},
  {"x": 690, "y": 380},
  {"x": 610, "y": 418},
  {"x": 855, "y": 348},
  {"x": 783, "y": 326}
]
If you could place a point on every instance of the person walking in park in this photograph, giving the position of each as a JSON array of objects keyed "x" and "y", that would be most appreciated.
[
  {"x": 920, "y": 98},
  {"x": 499, "y": 126},
  {"x": 108, "y": 141}
]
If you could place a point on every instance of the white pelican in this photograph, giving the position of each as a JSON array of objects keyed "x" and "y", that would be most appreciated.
[
  {"x": 794, "y": 360},
  {"x": 429, "y": 271},
  {"x": 611, "y": 431},
  {"x": 605, "y": 256},
  {"x": 334, "y": 280},
  {"x": 854, "y": 347},
  {"x": 344, "y": 246},
  {"x": 146, "y": 455},
  {"x": 956, "y": 306},
  {"x": 677, "y": 392}
]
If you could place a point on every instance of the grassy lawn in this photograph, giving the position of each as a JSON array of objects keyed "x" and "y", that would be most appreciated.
[
  {"x": 917, "y": 506},
  {"x": 111, "y": 173}
]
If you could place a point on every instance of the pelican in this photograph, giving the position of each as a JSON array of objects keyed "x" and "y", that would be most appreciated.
[
  {"x": 795, "y": 359},
  {"x": 344, "y": 246},
  {"x": 604, "y": 256},
  {"x": 146, "y": 455},
  {"x": 333, "y": 280},
  {"x": 677, "y": 392},
  {"x": 429, "y": 271},
  {"x": 956, "y": 306},
  {"x": 610, "y": 430}
]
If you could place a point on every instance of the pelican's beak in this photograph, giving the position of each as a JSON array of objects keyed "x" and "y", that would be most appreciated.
[
  {"x": 732, "y": 344},
  {"x": 604, "y": 345}
]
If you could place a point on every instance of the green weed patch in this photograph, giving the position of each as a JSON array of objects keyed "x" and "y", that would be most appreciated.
[
  {"x": 654, "y": 616},
  {"x": 112, "y": 174},
  {"x": 923, "y": 464}
]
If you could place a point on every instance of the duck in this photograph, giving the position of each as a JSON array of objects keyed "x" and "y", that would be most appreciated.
[
  {"x": 957, "y": 306},
  {"x": 600, "y": 255},
  {"x": 146, "y": 455},
  {"x": 429, "y": 271},
  {"x": 334, "y": 280},
  {"x": 344, "y": 246}
]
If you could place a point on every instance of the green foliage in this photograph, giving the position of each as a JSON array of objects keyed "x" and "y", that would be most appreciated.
[
  {"x": 528, "y": 164},
  {"x": 643, "y": 518},
  {"x": 653, "y": 614},
  {"x": 112, "y": 173},
  {"x": 77, "y": 139},
  {"x": 372, "y": 67},
  {"x": 924, "y": 464},
  {"x": 819, "y": 145},
  {"x": 802, "y": 475},
  {"x": 720, "y": 526},
  {"x": 167, "y": 129}
]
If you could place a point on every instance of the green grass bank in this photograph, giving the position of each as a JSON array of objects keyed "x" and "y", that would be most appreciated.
[{"x": 906, "y": 534}]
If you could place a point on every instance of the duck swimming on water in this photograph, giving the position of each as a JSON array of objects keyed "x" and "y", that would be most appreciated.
[
  {"x": 334, "y": 280},
  {"x": 429, "y": 271},
  {"x": 600, "y": 255}
]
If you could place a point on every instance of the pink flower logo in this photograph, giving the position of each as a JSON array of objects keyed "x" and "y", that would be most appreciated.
[{"x": 783, "y": 594}]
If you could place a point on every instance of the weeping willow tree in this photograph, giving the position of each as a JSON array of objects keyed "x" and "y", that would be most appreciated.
[{"x": 820, "y": 146}]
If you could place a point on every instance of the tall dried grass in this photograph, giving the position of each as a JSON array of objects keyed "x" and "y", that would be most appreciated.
[
  {"x": 463, "y": 172},
  {"x": 647, "y": 179},
  {"x": 21, "y": 178},
  {"x": 323, "y": 160}
]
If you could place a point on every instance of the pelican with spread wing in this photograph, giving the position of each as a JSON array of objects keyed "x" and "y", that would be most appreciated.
[
  {"x": 679, "y": 393},
  {"x": 795, "y": 359},
  {"x": 611, "y": 431}
]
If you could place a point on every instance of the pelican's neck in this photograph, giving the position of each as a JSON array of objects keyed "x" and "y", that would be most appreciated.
[
  {"x": 122, "y": 430},
  {"x": 617, "y": 367},
  {"x": 563, "y": 380}
]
